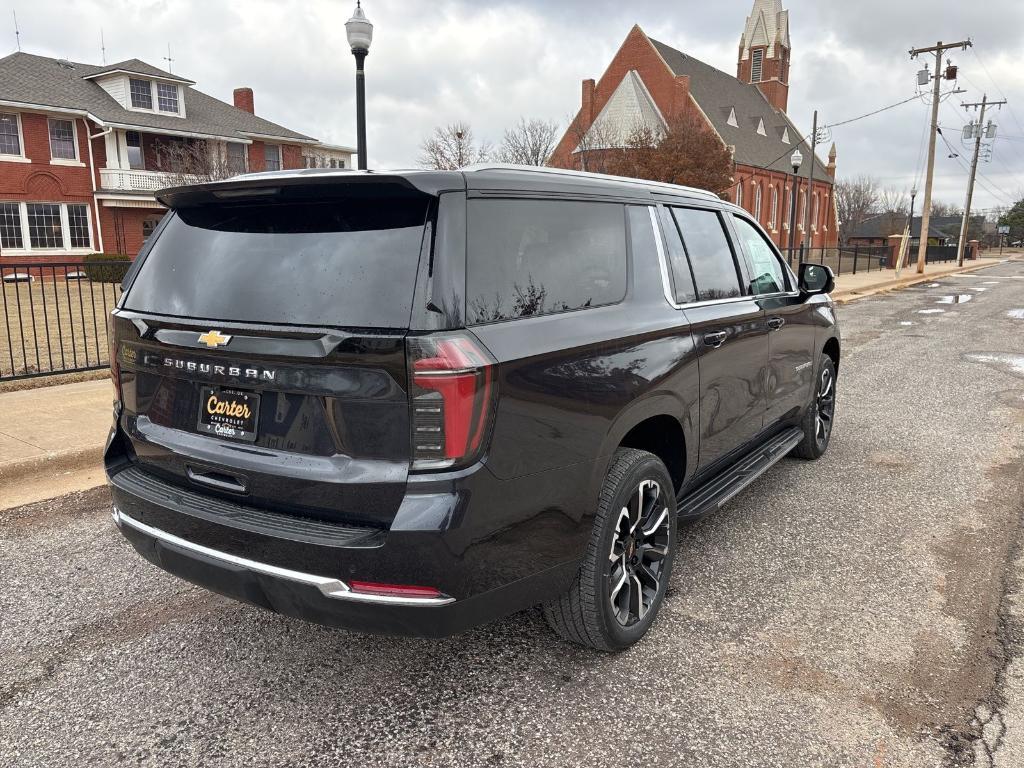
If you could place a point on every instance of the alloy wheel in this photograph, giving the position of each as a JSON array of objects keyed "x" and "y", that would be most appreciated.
[
  {"x": 640, "y": 545},
  {"x": 825, "y": 407}
]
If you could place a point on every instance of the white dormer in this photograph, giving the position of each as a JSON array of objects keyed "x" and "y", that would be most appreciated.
[
  {"x": 785, "y": 136},
  {"x": 143, "y": 92},
  {"x": 731, "y": 120},
  {"x": 760, "y": 127}
]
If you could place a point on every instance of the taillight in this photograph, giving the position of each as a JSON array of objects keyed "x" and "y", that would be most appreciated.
[
  {"x": 115, "y": 368},
  {"x": 451, "y": 396}
]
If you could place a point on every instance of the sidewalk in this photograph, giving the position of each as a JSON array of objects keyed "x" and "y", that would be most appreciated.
[
  {"x": 863, "y": 284},
  {"x": 51, "y": 437},
  {"x": 51, "y": 440}
]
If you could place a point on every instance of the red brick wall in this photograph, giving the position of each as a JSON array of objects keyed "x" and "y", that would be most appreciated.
[
  {"x": 257, "y": 160},
  {"x": 818, "y": 237},
  {"x": 291, "y": 156},
  {"x": 39, "y": 180},
  {"x": 670, "y": 93},
  {"x": 774, "y": 75},
  {"x": 122, "y": 228}
]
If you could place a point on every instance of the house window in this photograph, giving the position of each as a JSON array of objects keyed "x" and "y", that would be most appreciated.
[
  {"x": 739, "y": 194},
  {"x": 62, "y": 140},
  {"x": 148, "y": 226},
  {"x": 10, "y": 137},
  {"x": 141, "y": 93},
  {"x": 272, "y": 157},
  {"x": 78, "y": 225},
  {"x": 167, "y": 97},
  {"x": 756, "y": 65},
  {"x": 44, "y": 227},
  {"x": 757, "y": 203},
  {"x": 236, "y": 158},
  {"x": 10, "y": 226},
  {"x": 814, "y": 221},
  {"x": 802, "y": 209},
  {"x": 774, "y": 209},
  {"x": 133, "y": 140}
]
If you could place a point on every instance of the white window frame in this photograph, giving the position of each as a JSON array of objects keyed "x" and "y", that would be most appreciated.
[
  {"x": 802, "y": 215},
  {"x": 22, "y": 157},
  {"x": 774, "y": 209},
  {"x": 816, "y": 210},
  {"x": 65, "y": 229},
  {"x": 154, "y": 96},
  {"x": 77, "y": 162},
  {"x": 739, "y": 194},
  {"x": 758, "y": 204},
  {"x": 280, "y": 156}
]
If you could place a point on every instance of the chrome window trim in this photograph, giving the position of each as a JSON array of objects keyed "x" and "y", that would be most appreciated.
[
  {"x": 332, "y": 588},
  {"x": 666, "y": 283}
]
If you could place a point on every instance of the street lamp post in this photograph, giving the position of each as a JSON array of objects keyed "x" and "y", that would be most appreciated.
[
  {"x": 796, "y": 159},
  {"x": 360, "y": 33}
]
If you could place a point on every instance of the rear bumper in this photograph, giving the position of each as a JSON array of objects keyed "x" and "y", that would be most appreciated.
[{"x": 300, "y": 569}]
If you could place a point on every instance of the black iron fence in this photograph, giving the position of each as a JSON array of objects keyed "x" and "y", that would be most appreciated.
[
  {"x": 55, "y": 316},
  {"x": 845, "y": 259}
]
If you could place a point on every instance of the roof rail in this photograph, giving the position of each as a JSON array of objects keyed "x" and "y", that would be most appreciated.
[{"x": 585, "y": 174}]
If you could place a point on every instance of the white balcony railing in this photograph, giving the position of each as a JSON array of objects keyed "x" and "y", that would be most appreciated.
[{"x": 125, "y": 180}]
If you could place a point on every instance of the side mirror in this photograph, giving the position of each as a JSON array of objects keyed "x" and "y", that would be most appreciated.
[{"x": 815, "y": 279}]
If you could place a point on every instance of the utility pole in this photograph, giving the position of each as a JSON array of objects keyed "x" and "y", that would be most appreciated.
[
  {"x": 979, "y": 131},
  {"x": 810, "y": 182},
  {"x": 938, "y": 49}
]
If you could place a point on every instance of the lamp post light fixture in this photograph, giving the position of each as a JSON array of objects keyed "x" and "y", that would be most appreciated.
[
  {"x": 360, "y": 32},
  {"x": 795, "y": 160}
]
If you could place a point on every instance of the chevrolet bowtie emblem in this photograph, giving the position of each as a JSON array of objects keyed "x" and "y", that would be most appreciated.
[{"x": 214, "y": 339}]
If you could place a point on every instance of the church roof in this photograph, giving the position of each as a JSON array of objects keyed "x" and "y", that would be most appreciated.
[
  {"x": 631, "y": 106},
  {"x": 720, "y": 94},
  {"x": 767, "y": 24}
]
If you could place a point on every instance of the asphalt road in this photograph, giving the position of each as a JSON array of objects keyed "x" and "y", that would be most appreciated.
[{"x": 857, "y": 611}]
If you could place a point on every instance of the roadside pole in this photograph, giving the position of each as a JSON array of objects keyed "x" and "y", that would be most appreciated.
[
  {"x": 938, "y": 49},
  {"x": 978, "y": 133},
  {"x": 810, "y": 185}
]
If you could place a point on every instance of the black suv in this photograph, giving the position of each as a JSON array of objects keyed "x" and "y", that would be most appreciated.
[{"x": 412, "y": 402}]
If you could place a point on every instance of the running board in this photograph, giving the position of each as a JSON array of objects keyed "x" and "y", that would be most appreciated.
[{"x": 717, "y": 491}]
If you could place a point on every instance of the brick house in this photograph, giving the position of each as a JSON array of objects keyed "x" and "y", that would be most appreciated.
[
  {"x": 648, "y": 84},
  {"x": 83, "y": 148}
]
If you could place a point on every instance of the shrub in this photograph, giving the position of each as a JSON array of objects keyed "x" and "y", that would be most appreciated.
[{"x": 106, "y": 267}]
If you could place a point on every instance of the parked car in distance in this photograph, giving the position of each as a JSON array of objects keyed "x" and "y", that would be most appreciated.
[{"x": 414, "y": 402}]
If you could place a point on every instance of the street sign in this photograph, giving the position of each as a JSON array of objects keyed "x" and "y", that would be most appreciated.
[{"x": 1004, "y": 229}]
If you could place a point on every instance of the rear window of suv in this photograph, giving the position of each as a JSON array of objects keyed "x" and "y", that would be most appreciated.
[
  {"x": 536, "y": 257},
  {"x": 333, "y": 262}
]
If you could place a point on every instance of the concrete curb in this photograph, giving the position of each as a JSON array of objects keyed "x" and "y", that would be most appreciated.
[
  {"x": 54, "y": 463},
  {"x": 845, "y": 297}
]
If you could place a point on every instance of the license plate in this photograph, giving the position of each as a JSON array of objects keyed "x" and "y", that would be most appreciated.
[{"x": 229, "y": 413}]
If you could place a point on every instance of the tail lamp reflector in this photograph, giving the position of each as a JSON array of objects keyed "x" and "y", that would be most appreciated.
[
  {"x": 451, "y": 395},
  {"x": 393, "y": 590}
]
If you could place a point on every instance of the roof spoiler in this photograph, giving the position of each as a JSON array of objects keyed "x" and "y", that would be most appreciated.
[{"x": 313, "y": 183}]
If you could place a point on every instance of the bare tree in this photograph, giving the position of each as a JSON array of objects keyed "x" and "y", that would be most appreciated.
[
  {"x": 452, "y": 147},
  {"x": 591, "y": 150},
  {"x": 940, "y": 208},
  {"x": 684, "y": 152},
  {"x": 856, "y": 201},
  {"x": 529, "y": 142},
  {"x": 892, "y": 200},
  {"x": 191, "y": 161}
]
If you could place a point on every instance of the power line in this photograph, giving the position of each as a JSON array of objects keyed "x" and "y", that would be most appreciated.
[
  {"x": 998, "y": 90},
  {"x": 875, "y": 112}
]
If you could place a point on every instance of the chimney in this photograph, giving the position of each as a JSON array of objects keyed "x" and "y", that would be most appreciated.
[
  {"x": 587, "y": 105},
  {"x": 243, "y": 100}
]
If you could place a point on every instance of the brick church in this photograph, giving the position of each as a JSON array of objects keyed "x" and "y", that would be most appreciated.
[{"x": 648, "y": 84}]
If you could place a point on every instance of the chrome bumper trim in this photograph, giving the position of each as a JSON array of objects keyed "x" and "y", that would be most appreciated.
[{"x": 332, "y": 588}]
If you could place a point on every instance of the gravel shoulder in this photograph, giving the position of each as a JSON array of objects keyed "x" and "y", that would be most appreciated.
[{"x": 862, "y": 610}]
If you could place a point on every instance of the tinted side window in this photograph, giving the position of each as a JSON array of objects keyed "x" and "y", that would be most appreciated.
[
  {"x": 768, "y": 275},
  {"x": 535, "y": 257},
  {"x": 714, "y": 268},
  {"x": 678, "y": 264}
]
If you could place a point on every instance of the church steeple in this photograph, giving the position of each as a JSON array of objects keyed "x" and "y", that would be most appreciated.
[{"x": 764, "y": 51}]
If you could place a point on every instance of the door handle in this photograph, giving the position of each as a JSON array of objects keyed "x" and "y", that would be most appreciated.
[
  {"x": 218, "y": 480},
  {"x": 774, "y": 323},
  {"x": 715, "y": 339}
]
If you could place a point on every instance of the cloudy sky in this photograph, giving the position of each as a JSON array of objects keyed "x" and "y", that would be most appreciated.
[{"x": 488, "y": 63}]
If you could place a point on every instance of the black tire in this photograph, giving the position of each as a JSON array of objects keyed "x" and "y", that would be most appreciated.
[
  {"x": 586, "y": 614},
  {"x": 820, "y": 413}
]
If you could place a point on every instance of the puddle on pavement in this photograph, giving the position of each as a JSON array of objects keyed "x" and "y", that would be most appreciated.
[
  {"x": 991, "y": 282},
  {"x": 930, "y": 311},
  {"x": 1007, "y": 362},
  {"x": 1012, "y": 397},
  {"x": 1016, "y": 314},
  {"x": 959, "y": 298},
  {"x": 907, "y": 322},
  {"x": 934, "y": 285}
]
